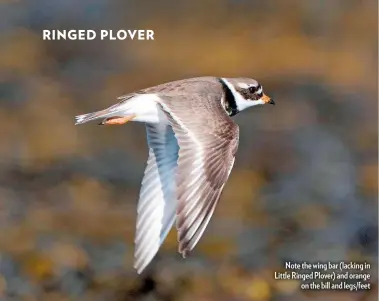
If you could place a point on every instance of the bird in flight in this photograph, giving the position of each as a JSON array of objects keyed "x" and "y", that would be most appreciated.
[{"x": 192, "y": 143}]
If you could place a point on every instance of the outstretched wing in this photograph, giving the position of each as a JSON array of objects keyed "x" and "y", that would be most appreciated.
[
  {"x": 208, "y": 141},
  {"x": 157, "y": 200}
]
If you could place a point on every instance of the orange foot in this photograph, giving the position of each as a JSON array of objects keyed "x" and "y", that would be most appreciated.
[{"x": 118, "y": 120}]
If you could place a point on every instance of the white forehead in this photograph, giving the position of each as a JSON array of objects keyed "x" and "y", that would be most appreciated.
[{"x": 245, "y": 83}]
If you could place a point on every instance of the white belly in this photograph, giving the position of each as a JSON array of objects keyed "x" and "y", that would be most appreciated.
[{"x": 146, "y": 109}]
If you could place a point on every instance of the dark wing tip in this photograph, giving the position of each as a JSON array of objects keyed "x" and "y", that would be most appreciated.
[{"x": 184, "y": 251}]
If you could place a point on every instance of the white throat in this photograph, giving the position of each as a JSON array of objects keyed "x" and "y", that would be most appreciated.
[{"x": 241, "y": 102}]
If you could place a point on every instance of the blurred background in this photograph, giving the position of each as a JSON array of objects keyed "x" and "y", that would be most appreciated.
[{"x": 304, "y": 187}]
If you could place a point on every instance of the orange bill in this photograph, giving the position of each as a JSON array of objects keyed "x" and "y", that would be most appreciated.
[{"x": 267, "y": 99}]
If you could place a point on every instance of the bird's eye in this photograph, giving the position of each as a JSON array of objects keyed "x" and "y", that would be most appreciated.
[{"x": 252, "y": 89}]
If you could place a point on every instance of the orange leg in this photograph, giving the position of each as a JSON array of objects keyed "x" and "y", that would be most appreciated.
[{"x": 118, "y": 120}]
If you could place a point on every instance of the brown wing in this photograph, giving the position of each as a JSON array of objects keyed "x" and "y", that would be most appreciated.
[{"x": 208, "y": 141}]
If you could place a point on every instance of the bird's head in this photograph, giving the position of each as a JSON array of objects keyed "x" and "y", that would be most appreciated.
[{"x": 246, "y": 92}]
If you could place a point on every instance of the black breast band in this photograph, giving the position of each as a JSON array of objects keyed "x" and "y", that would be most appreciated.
[{"x": 230, "y": 101}]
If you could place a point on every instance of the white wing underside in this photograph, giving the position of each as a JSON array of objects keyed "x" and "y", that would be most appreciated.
[{"x": 157, "y": 201}]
